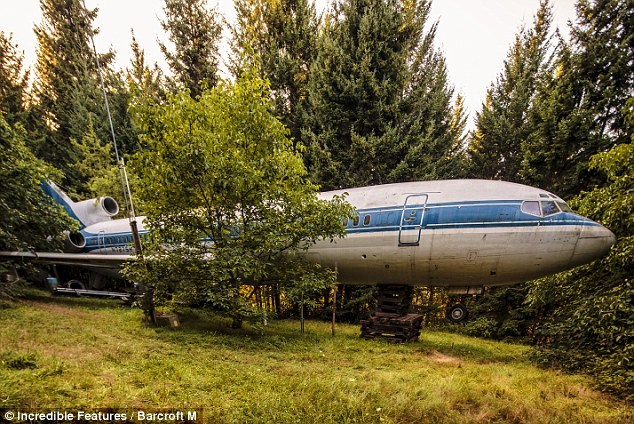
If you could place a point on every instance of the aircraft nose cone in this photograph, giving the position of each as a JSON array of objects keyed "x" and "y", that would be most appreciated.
[
  {"x": 595, "y": 241},
  {"x": 611, "y": 238}
]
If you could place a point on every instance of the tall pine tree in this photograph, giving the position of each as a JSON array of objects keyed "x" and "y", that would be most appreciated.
[
  {"x": 195, "y": 32},
  {"x": 141, "y": 80},
  {"x": 551, "y": 154},
  {"x": 379, "y": 97},
  {"x": 13, "y": 81},
  {"x": 431, "y": 128},
  {"x": 578, "y": 108},
  {"x": 495, "y": 148},
  {"x": 67, "y": 93},
  {"x": 604, "y": 40},
  {"x": 282, "y": 35}
]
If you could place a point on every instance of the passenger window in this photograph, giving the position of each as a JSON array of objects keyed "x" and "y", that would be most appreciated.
[
  {"x": 366, "y": 220},
  {"x": 531, "y": 208},
  {"x": 564, "y": 207},
  {"x": 550, "y": 208},
  {"x": 355, "y": 221}
]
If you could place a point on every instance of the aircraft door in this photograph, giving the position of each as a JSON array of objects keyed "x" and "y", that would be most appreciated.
[
  {"x": 101, "y": 241},
  {"x": 412, "y": 220}
]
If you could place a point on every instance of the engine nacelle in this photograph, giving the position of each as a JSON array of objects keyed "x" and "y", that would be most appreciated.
[
  {"x": 96, "y": 210},
  {"x": 75, "y": 242}
]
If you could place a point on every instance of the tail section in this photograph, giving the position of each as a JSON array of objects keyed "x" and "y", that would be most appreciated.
[{"x": 87, "y": 212}]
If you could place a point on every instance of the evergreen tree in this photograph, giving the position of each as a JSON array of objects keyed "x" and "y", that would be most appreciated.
[
  {"x": 551, "y": 157},
  {"x": 502, "y": 126},
  {"x": 67, "y": 90},
  {"x": 283, "y": 36},
  {"x": 378, "y": 94},
  {"x": 578, "y": 108},
  {"x": 604, "y": 39},
  {"x": 431, "y": 127},
  {"x": 142, "y": 81},
  {"x": 119, "y": 99},
  {"x": 195, "y": 32},
  {"x": 13, "y": 81},
  {"x": 355, "y": 88}
]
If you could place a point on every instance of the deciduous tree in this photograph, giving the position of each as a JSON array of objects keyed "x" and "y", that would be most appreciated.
[
  {"x": 30, "y": 218},
  {"x": 588, "y": 312},
  {"x": 223, "y": 184}
]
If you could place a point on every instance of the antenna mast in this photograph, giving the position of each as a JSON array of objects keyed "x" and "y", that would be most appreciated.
[{"x": 123, "y": 174}]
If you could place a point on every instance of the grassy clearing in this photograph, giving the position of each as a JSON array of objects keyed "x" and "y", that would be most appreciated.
[{"x": 72, "y": 354}]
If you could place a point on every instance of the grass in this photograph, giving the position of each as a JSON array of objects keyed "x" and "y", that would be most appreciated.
[{"x": 75, "y": 353}]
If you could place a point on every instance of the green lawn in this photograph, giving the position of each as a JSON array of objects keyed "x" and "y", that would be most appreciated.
[{"x": 74, "y": 353}]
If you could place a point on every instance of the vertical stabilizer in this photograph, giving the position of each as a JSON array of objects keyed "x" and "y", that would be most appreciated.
[{"x": 60, "y": 198}]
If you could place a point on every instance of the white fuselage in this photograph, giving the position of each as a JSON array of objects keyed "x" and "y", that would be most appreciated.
[
  {"x": 459, "y": 233},
  {"x": 436, "y": 233}
]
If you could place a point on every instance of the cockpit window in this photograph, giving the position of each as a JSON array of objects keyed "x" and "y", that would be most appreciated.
[
  {"x": 549, "y": 208},
  {"x": 564, "y": 207},
  {"x": 531, "y": 208}
]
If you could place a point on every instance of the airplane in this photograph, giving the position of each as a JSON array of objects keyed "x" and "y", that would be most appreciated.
[{"x": 463, "y": 235}]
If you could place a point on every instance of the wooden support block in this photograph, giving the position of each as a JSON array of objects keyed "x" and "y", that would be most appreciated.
[{"x": 170, "y": 320}]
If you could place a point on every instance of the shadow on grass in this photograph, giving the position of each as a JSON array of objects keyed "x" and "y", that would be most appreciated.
[
  {"x": 46, "y": 297},
  {"x": 208, "y": 327}
]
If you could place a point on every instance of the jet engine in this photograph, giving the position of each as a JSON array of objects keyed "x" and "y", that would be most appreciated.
[
  {"x": 75, "y": 242},
  {"x": 96, "y": 210}
]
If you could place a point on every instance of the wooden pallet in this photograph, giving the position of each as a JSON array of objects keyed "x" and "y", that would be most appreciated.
[
  {"x": 392, "y": 321},
  {"x": 392, "y": 327}
]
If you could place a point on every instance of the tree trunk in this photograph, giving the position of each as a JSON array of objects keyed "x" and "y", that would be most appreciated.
[{"x": 277, "y": 300}]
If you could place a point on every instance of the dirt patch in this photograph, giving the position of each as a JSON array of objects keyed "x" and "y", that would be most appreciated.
[{"x": 444, "y": 359}]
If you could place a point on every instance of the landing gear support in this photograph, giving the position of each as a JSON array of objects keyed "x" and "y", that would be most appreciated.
[
  {"x": 457, "y": 313},
  {"x": 392, "y": 321}
]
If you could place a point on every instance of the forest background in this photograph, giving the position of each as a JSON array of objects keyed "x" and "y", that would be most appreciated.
[{"x": 366, "y": 98}]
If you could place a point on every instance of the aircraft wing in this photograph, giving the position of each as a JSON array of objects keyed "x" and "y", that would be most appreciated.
[{"x": 86, "y": 260}]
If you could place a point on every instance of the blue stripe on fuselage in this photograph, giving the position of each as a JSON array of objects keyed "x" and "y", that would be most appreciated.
[{"x": 460, "y": 215}]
